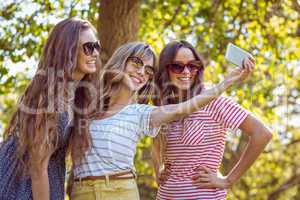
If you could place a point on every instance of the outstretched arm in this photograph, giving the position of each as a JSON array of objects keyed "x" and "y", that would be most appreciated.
[{"x": 168, "y": 113}]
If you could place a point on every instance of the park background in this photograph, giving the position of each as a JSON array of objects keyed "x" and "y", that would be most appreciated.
[{"x": 270, "y": 29}]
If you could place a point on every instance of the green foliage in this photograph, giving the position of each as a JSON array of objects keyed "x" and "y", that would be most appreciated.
[{"x": 269, "y": 29}]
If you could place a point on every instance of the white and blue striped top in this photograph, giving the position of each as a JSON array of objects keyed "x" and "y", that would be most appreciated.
[{"x": 114, "y": 141}]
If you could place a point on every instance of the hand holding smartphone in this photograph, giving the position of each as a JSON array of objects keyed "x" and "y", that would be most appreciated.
[{"x": 236, "y": 55}]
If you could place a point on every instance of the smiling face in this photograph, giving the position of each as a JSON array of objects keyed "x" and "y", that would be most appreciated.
[
  {"x": 185, "y": 79},
  {"x": 86, "y": 64},
  {"x": 137, "y": 73}
]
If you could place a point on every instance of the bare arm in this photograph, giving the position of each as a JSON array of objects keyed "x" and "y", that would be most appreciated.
[
  {"x": 40, "y": 183},
  {"x": 39, "y": 161},
  {"x": 259, "y": 136},
  {"x": 167, "y": 113}
]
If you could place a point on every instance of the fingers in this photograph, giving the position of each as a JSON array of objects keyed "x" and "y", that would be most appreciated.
[
  {"x": 161, "y": 181},
  {"x": 204, "y": 182},
  {"x": 247, "y": 68},
  {"x": 203, "y": 178},
  {"x": 243, "y": 64},
  {"x": 238, "y": 70},
  {"x": 200, "y": 175},
  {"x": 242, "y": 73},
  {"x": 203, "y": 173},
  {"x": 252, "y": 64},
  {"x": 195, "y": 177},
  {"x": 205, "y": 185},
  {"x": 248, "y": 64},
  {"x": 206, "y": 169},
  {"x": 162, "y": 178},
  {"x": 251, "y": 59}
]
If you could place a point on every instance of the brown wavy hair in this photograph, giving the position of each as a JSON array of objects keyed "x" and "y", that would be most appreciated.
[
  {"x": 111, "y": 77},
  {"x": 34, "y": 123},
  {"x": 168, "y": 93}
]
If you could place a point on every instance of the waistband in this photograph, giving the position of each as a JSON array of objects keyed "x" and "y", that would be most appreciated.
[{"x": 130, "y": 174}]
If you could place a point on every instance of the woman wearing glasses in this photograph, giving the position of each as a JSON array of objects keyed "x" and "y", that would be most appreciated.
[
  {"x": 191, "y": 150},
  {"x": 103, "y": 164},
  {"x": 32, "y": 157}
]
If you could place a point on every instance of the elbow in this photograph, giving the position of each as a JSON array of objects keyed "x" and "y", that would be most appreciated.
[
  {"x": 267, "y": 134},
  {"x": 263, "y": 135}
]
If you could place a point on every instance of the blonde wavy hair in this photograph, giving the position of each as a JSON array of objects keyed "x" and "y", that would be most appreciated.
[{"x": 111, "y": 77}]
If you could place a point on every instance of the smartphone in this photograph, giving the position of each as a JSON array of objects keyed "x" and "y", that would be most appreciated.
[{"x": 236, "y": 55}]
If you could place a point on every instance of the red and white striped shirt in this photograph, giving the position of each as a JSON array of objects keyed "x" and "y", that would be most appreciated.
[{"x": 198, "y": 140}]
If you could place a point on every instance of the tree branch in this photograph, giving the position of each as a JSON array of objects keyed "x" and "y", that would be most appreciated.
[
  {"x": 296, "y": 6},
  {"x": 72, "y": 6},
  {"x": 176, "y": 11},
  {"x": 294, "y": 180}
]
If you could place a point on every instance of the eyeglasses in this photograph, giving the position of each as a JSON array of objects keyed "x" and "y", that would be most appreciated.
[
  {"x": 89, "y": 47},
  {"x": 193, "y": 66},
  {"x": 139, "y": 64}
]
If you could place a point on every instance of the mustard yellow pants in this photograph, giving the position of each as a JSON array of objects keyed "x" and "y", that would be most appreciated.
[{"x": 125, "y": 189}]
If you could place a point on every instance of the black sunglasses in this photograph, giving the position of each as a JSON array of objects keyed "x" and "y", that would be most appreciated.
[
  {"x": 138, "y": 63},
  {"x": 89, "y": 47},
  {"x": 193, "y": 66}
]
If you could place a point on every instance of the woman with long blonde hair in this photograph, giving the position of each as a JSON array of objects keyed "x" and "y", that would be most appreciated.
[
  {"x": 104, "y": 168},
  {"x": 32, "y": 156}
]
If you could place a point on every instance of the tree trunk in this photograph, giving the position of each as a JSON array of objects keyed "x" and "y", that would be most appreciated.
[{"x": 118, "y": 23}]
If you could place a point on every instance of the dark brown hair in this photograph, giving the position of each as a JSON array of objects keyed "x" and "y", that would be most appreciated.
[
  {"x": 34, "y": 124},
  {"x": 168, "y": 93}
]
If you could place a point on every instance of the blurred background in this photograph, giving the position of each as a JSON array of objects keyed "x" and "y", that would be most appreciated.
[{"x": 269, "y": 29}]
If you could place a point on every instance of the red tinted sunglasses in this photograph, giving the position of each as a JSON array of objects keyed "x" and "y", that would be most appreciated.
[
  {"x": 193, "y": 66},
  {"x": 89, "y": 47}
]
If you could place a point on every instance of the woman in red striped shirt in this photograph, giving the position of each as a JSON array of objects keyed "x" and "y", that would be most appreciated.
[{"x": 188, "y": 156}]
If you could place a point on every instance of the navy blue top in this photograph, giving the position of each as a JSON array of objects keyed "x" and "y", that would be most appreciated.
[{"x": 13, "y": 187}]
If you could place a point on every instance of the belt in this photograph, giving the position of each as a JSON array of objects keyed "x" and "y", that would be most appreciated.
[{"x": 117, "y": 176}]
